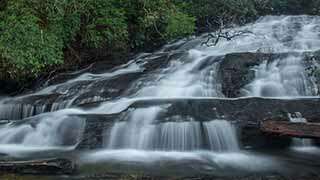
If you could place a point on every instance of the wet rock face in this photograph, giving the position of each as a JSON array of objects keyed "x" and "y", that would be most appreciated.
[
  {"x": 244, "y": 111},
  {"x": 7, "y": 87},
  {"x": 235, "y": 72},
  {"x": 246, "y": 114},
  {"x": 96, "y": 128},
  {"x": 312, "y": 62}
]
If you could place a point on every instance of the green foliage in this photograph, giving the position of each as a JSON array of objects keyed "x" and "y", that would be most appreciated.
[
  {"x": 291, "y": 7},
  {"x": 36, "y": 33},
  {"x": 104, "y": 22},
  {"x": 25, "y": 47},
  {"x": 152, "y": 22},
  {"x": 179, "y": 25},
  {"x": 230, "y": 11}
]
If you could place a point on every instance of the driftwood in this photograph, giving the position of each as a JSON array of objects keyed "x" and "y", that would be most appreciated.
[
  {"x": 46, "y": 166},
  {"x": 291, "y": 129}
]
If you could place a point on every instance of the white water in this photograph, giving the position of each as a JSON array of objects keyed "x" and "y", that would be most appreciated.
[
  {"x": 221, "y": 136},
  {"x": 274, "y": 34},
  {"x": 183, "y": 78},
  {"x": 54, "y": 129},
  {"x": 72, "y": 88},
  {"x": 212, "y": 163},
  {"x": 141, "y": 131},
  {"x": 281, "y": 78}
]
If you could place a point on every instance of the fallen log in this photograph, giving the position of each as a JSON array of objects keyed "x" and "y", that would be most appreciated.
[
  {"x": 43, "y": 167},
  {"x": 292, "y": 129}
]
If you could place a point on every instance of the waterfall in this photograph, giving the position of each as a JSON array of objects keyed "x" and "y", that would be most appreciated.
[
  {"x": 182, "y": 70},
  {"x": 142, "y": 131},
  {"x": 285, "y": 76},
  {"x": 192, "y": 70},
  {"x": 57, "y": 129},
  {"x": 195, "y": 75},
  {"x": 281, "y": 78},
  {"x": 187, "y": 76},
  {"x": 221, "y": 135}
]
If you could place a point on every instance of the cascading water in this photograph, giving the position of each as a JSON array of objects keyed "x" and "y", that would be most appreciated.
[
  {"x": 195, "y": 73},
  {"x": 179, "y": 71},
  {"x": 184, "y": 77},
  {"x": 141, "y": 131},
  {"x": 192, "y": 74},
  {"x": 59, "y": 129},
  {"x": 281, "y": 78},
  {"x": 285, "y": 76},
  {"x": 221, "y": 136}
]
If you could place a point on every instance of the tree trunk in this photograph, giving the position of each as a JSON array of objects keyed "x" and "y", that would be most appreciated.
[{"x": 285, "y": 128}]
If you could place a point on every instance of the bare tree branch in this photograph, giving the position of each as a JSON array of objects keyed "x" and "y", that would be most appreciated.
[{"x": 214, "y": 38}]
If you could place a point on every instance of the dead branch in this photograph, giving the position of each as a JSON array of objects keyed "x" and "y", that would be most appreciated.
[
  {"x": 214, "y": 38},
  {"x": 223, "y": 22}
]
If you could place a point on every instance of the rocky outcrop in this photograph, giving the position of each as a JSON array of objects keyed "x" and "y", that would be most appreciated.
[
  {"x": 96, "y": 129},
  {"x": 236, "y": 71},
  {"x": 243, "y": 110}
]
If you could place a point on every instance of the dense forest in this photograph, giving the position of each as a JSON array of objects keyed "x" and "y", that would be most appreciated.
[{"x": 41, "y": 37}]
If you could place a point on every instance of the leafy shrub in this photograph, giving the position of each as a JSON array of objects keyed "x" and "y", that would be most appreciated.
[
  {"x": 211, "y": 12},
  {"x": 35, "y": 34},
  {"x": 179, "y": 25},
  {"x": 25, "y": 46},
  {"x": 104, "y": 23},
  {"x": 152, "y": 22},
  {"x": 291, "y": 7}
]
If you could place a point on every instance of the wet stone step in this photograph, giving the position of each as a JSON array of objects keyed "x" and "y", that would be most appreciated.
[{"x": 42, "y": 167}]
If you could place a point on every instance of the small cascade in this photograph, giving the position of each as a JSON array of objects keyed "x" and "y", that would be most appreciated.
[
  {"x": 181, "y": 136},
  {"x": 18, "y": 111},
  {"x": 58, "y": 129},
  {"x": 299, "y": 142},
  {"x": 63, "y": 95},
  {"x": 280, "y": 78},
  {"x": 192, "y": 75},
  {"x": 221, "y": 136},
  {"x": 136, "y": 132},
  {"x": 143, "y": 131}
]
